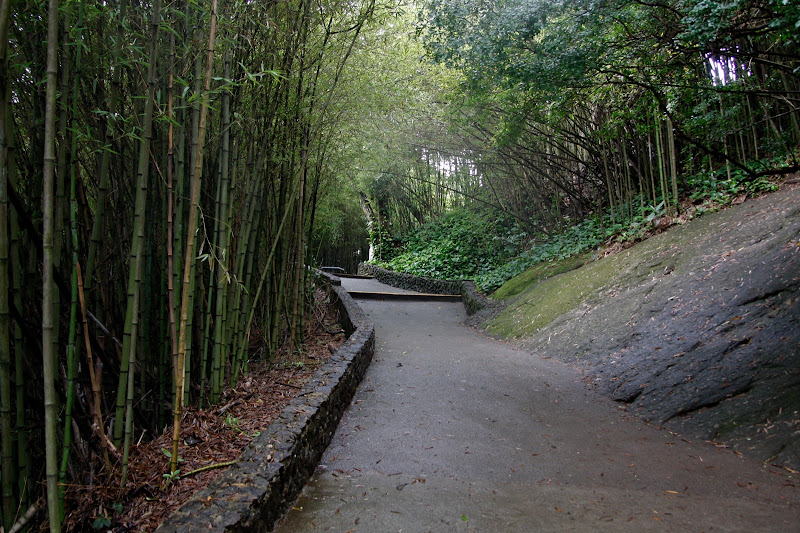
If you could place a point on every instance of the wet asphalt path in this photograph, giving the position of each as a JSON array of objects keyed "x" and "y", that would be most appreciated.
[{"x": 451, "y": 431}]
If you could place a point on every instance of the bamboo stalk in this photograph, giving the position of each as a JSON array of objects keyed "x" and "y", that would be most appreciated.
[
  {"x": 96, "y": 410},
  {"x": 189, "y": 256},
  {"x": 221, "y": 347},
  {"x": 48, "y": 284},
  {"x": 73, "y": 323},
  {"x": 8, "y": 463},
  {"x": 125, "y": 391},
  {"x": 673, "y": 168}
]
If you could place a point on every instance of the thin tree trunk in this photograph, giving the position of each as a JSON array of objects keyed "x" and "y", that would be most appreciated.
[
  {"x": 297, "y": 277},
  {"x": 173, "y": 329},
  {"x": 96, "y": 409},
  {"x": 223, "y": 224},
  {"x": 673, "y": 167},
  {"x": 98, "y": 226}
]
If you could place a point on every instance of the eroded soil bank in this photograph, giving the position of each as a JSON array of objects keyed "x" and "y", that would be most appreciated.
[{"x": 697, "y": 328}]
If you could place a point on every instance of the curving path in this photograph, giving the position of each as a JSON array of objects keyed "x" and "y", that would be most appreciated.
[{"x": 452, "y": 431}]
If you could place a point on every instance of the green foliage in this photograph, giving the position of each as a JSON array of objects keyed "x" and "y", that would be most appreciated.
[
  {"x": 232, "y": 422},
  {"x": 471, "y": 244},
  {"x": 101, "y": 522},
  {"x": 463, "y": 243},
  {"x": 707, "y": 21},
  {"x": 575, "y": 240},
  {"x": 169, "y": 477},
  {"x": 717, "y": 189}
]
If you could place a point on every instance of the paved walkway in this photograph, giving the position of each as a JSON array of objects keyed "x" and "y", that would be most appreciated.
[
  {"x": 451, "y": 431},
  {"x": 371, "y": 285}
]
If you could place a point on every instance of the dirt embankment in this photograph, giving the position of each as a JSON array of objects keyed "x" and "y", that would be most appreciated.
[{"x": 697, "y": 328}]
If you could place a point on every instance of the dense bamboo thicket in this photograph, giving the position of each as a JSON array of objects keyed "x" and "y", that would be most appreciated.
[{"x": 161, "y": 164}]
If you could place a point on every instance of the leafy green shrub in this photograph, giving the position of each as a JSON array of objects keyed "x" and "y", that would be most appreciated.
[
  {"x": 460, "y": 244},
  {"x": 718, "y": 188},
  {"x": 575, "y": 240}
]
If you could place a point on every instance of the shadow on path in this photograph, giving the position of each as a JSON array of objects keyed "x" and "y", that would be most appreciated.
[{"x": 451, "y": 431}]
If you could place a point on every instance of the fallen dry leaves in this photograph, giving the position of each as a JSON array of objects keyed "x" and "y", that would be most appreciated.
[{"x": 210, "y": 437}]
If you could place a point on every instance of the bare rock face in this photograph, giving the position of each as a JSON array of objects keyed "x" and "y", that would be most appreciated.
[{"x": 699, "y": 329}]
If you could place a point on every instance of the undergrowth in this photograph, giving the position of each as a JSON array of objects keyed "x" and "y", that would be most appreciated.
[
  {"x": 490, "y": 248},
  {"x": 462, "y": 243}
]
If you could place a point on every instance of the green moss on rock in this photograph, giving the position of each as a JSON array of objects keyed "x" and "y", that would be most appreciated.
[{"x": 540, "y": 272}]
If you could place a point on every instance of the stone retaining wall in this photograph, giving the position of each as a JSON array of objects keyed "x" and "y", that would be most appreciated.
[
  {"x": 473, "y": 300},
  {"x": 254, "y": 494}
]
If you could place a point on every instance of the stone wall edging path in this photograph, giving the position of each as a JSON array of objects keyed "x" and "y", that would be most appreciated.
[
  {"x": 474, "y": 301},
  {"x": 269, "y": 475}
]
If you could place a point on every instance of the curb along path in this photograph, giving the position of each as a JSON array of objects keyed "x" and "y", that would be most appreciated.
[
  {"x": 268, "y": 476},
  {"x": 451, "y": 431}
]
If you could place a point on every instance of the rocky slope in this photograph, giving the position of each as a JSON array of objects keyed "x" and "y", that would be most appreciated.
[{"x": 697, "y": 328}]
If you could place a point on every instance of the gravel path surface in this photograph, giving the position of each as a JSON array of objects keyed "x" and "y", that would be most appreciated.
[{"x": 452, "y": 431}]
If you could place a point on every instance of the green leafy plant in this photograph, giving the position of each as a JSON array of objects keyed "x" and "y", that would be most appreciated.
[
  {"x": 169, "y": 454},
  {"x": 462, "y": 243},
  {"x": 232, "y": 422},
  {"x": 169, "y": 477},
  {"x": 101, "y": 522}
]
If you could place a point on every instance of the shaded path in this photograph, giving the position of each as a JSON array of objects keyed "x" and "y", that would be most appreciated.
[{"x": 451, "y": 431}]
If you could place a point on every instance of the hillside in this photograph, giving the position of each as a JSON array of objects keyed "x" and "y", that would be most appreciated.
[{"x": 697, "y": 328}]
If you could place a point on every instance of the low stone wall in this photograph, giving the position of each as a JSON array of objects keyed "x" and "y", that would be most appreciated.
[
  {"x": 254, "y": 494},
  {"x": 473, "y": 300}
]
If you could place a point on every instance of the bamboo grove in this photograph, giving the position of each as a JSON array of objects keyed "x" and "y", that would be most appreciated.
[
  {"x": 571, "y": 109},
  {"x": 161, "y": 167}
]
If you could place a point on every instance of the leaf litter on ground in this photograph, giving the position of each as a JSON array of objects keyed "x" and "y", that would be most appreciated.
[{"x": 212, "y": 439}]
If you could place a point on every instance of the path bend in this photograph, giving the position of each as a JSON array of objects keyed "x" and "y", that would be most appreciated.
[{"x": 452, "y": 431}]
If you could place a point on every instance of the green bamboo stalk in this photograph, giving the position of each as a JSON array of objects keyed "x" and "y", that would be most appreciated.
[
  {"x": 220, "y": 353},
  {"x": 243, "y": 261},
  {"x": 196, "y": 148},
  {"x": 170, "y": 233},
  {"x": 299, "y": 266},
  {"x": 48, "y": 284},
  {"x": 73, "y": 316},
  {"x": 180, "y": 371},
  {"x": 662, "y": 175},
  {"x": 609, "y": 185},
  {"x": 673, "y": 167},
  {"x": 212, "y": 376},
  {"x": 98, "y": 225},
  {"x": 8, "y": 463},
  {"x": 23, "y": 482},
  {"x": 125, "y": 391},
  {"x": 215, "y": 264},
  {"x": 276, "y": 239}
]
